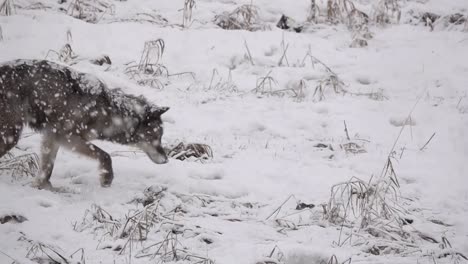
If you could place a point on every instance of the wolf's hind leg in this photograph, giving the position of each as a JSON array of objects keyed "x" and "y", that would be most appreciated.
[
  {"x": 90, "y": 150},
  {"x": 49, "y": 149},
  {"x": 10, "y": 132}
]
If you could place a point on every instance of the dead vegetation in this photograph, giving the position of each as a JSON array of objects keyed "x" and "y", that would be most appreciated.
[
  {"x": 157, "y": 216},
  {"x": 65, "y": 54},
  {"x": 7, "y": 8},
  {"x": 372, "y": 214},
  {"x": 149, "y": 70},
  {"x": 151, "y": 18},
  {"x": 170, "y": 249},
  {"x": 1, "y": 33},
  {"x": 190, "y": 151},
  {"x": 330, "y": 82},
  {"x": 387, "y": 12},
  {"x": 187, "y": 14},
  {"x": 40, "y": 252},
  {"x": 244, "y": 17},
  {"x": 19, "y": 165},
  {"x": 220, "y": 84},
  {"x": 91, "y": 11}
]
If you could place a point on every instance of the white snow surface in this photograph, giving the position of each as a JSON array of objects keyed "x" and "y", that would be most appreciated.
[{"x": 263, "y": 145}]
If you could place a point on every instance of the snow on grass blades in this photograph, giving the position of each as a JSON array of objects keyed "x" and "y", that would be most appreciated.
[
  {"x": 91, "y": 11},
  {"x": 19, "y": 165},
  {"x": 191, "y": 150},
  {"x": 244, "y": 17},
  {"x": 187, "y": 15},
  {"x": 40, "y": 252},
  {"x": 149, "y": 71},
  {"x": 155, "y": 230},
  {"x": 7, "y": 8}
]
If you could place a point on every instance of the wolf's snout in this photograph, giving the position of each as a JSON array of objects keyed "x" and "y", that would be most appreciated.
[
  {"x": 158, "y": 158},
  {"x": 157, "y": 155}
]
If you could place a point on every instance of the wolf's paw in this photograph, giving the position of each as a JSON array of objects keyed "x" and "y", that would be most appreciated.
[
  {"x": 106, "y": 179},
  {"x": 42, "y": 184}
]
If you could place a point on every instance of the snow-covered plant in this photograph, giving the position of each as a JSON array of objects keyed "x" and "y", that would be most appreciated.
[
  {"x": 90, "y": 11},
  {"x": 465, "y": 28},
  {"x": 149, "y": 69},
  {"x": 40, "y": 252},
  {"x": 218, "y": 83},
  {"x": 152, "y": 53},
  {"x": 339, "y": 10},
  {"x": 187, "y": 15},
  {"x": 65, "y": 54},
  {"x": 1, "y": 33},
  {"x": 244, "y": 17},
  {"x": 171, "y": 250},
  {"x": 7, "y": 8},
  {"x": 313, "y": 12},
  {"x": 191, "y": 150},
  {"x": 387, "y": 12},
  {"x": 331, "y": 81},
  {"x": 20, "y": 165},
  {"x": 265, "y": 84}
]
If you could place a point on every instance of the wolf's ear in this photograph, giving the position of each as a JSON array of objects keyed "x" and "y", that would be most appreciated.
[
  {"x": 162, "y": 110},
  {"x": 157, "y": 111}
]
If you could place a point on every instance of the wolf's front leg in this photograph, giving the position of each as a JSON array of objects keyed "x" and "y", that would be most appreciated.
[
  {"x": 49, "y": 149},
  {"x": 90, "y": 150}
]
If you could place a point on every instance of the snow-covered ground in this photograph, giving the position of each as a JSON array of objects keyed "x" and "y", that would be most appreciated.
[{"x": 266, "y": 147}]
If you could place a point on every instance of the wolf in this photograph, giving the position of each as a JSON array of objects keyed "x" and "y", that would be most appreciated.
[{"x": 70, "y": 109}]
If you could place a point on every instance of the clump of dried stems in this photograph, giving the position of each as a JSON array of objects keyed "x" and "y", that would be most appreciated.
[
  {"x": 244, "y": 17},
  {"x": 20, "y": 165},
  {"x": 149, "y": 70},
  {"x": 91, "y": 11},
  {"x": 7, "y": 8},
  {"x": 190, "y": 151},
  {"x": 40, "y": 252}
]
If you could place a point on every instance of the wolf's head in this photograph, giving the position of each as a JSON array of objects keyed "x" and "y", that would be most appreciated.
[{"x": 149, "y": 134}]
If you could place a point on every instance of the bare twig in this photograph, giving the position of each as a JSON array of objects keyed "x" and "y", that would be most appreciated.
[
  {"x": 346, "y": 130},
  {"x": 423, "y": 147},
  {"x": 248, "y": 52}
]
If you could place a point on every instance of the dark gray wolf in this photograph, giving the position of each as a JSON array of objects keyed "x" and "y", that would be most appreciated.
[{"x": 70, "y": 109}]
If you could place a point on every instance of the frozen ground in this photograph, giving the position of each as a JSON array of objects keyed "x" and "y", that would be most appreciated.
[{"x": 265, "y": 146}]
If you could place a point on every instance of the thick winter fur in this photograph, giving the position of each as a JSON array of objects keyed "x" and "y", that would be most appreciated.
[{"x": 70, "y": 109}]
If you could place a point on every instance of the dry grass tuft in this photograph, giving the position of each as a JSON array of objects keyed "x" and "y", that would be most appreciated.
[
  {"x": 330, "y": 82},
  {"x": 187, "y": 15},
  {"x": 43, "y": 253},
  {"x": 1, "y": 33},
  {"x": 276, "y": 256},
  {"x": 96, "y": 218},
  {"x": 265, "y": 85},
  {"x": 152, "y": 18},
  {"x": 170, "y": 249},
  {"x": 217, "y": 83},
  {"x": 65, "y": 54},
  {"x": 387, "y": 12},
  {"x": 91, "y": 11},
  {"x": 189, "y": 151},
  {"x": 7, "y": 8},
  {"x": 334, "y": 260},
  {"x": 149, "y": 70},
  {"x": 20, "y": 165},
  {"x": 313, "y": 12},
  {"x": 244, "y": 17}
]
